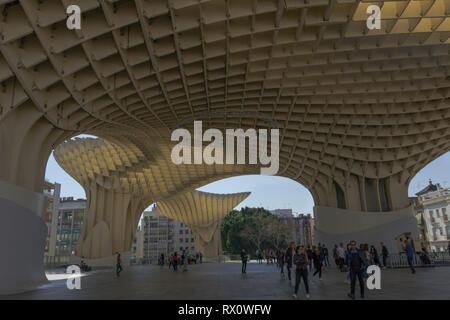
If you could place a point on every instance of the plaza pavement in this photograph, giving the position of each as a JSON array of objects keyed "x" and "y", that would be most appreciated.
[{"x": 225, "y": 282}]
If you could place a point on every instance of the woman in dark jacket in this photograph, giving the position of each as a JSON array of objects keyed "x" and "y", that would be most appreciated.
[
  {"x": 317, "y": 258},
  {"x": 301, "y": 270}
]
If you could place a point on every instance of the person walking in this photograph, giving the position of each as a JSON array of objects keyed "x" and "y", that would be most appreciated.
[
  {"x": 309, "y": 252},
  {"x": 374, "y": 255},
  {"x": 289, "y": 259},
  {"x": 201, "y": 257},
  {"x": 161, "y": 260},
  {"x": 244, "y": 259},
  {"x": 355, "y": 263},
  {"x": 301, "y": 270},
  {"x": 384, "y": 254},
  {"x": 257, "y": 255},
  {"x": 184, "y": 261},
  {"x": 409, "y": 250},
  {"x": 281, "y": 262},
  {"x": 118, "y": 265},
  {"x": 317, "y": 258},
  {"x": 341, "y": 256},
  {"x": 183, "y": 256},
  {"x": 175, "y": 261},
  {"x": 424, "y": 256},
  {"x": 326, "y": 262},
  {"x": 335, "y": 255}
]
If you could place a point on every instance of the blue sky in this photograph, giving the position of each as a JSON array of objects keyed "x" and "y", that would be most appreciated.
[{"x": 269, "y": 192}]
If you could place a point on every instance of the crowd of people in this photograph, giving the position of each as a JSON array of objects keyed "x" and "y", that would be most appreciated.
[
  {"x": 174, "y": 260},
  {"x": 298, "y": 261}
]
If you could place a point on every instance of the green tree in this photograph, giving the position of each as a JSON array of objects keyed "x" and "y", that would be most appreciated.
[{"x": 249, "y": 228}]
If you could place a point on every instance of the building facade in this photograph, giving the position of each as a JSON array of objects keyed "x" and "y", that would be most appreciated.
[
  {"x": 158, "y": 235},
  {"x": 300, "y": 227},
  {"x": 435, "y": 202},
  {"x": 283, "y": 213},
  {"x": 64, "y": 219}
]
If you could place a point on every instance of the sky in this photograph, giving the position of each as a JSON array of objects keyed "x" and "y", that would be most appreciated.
[{"x": 270, "y": 192}]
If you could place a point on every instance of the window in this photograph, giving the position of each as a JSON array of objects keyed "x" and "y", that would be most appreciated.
[
  {"x": 181, "y": 231},
  {"x": 186, "y": 231},
  {"x": 340, "y": 196},
  {"x": 192, "y": 239},
  {"x": 383, "y": 195},
  {"x": 371, "y": 199},
  {"x": 181, "y": 239},
  {"x": 187, "y": 240}
]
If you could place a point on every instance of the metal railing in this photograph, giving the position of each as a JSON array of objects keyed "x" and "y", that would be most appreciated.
[
  {"x": 440, "y": 258},
  {"x": 433, "y": 259}
]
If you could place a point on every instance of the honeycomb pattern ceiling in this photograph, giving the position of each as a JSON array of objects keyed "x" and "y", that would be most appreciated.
[
  {"x": 373, "y": 103},
  {"x": 127, "y": 170},
  {"x": 197, "y": 208}
]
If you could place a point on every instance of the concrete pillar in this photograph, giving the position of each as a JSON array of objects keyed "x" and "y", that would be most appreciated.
[
  {"x": 111, "y": 221},
  {"x": 26, "y": 141},
  {"x": 22, "y": 239}
]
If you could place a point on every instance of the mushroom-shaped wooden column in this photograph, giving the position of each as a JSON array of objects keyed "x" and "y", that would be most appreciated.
[{"x": 202, "y": 212}]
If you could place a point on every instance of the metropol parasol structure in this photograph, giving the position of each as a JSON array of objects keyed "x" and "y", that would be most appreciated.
[{"x": 360, "y": 111}]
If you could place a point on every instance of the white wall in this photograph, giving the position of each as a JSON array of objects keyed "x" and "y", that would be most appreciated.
[{"x": 333, "y": 226}]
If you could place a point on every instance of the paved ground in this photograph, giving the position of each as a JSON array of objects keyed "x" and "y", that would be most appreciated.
[{"x": 224, "y": 281}]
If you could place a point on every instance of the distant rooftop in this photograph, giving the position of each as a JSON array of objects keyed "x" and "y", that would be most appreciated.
[{"x": 429, "y": 188}]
